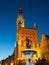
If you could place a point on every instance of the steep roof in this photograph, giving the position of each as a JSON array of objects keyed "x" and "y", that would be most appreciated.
[{"x": 47, "y": 36}]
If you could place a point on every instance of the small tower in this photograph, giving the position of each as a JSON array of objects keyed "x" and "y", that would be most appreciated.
[
  {"x": 35, "y": 25},
  {"x": 20, "y": 19},
  {"x": 36, "y": 33}
]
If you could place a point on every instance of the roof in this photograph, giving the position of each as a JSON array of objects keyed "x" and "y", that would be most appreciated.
[{"x": 47, "y": 36}]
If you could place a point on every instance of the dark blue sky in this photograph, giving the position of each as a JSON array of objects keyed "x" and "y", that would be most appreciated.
[{"x": 33, "y": 11}]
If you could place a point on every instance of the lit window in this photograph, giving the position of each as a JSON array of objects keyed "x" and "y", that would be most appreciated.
[{"x": 11, "y": 63}]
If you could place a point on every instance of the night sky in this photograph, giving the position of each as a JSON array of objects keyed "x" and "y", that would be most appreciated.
[{"x": 33, "y": 11}]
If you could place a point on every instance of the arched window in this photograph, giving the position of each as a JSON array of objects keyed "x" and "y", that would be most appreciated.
[{"x": 19, "y": 24}]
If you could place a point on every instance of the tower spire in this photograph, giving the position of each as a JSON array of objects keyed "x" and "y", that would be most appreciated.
[{"x": 20, "y": 12}]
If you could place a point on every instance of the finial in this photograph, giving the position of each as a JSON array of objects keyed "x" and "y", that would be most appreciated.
[
  {"x": 20, "y": 12},
  {"x": 15, "y": 44},
  {"x": 35, "y": 25}
]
